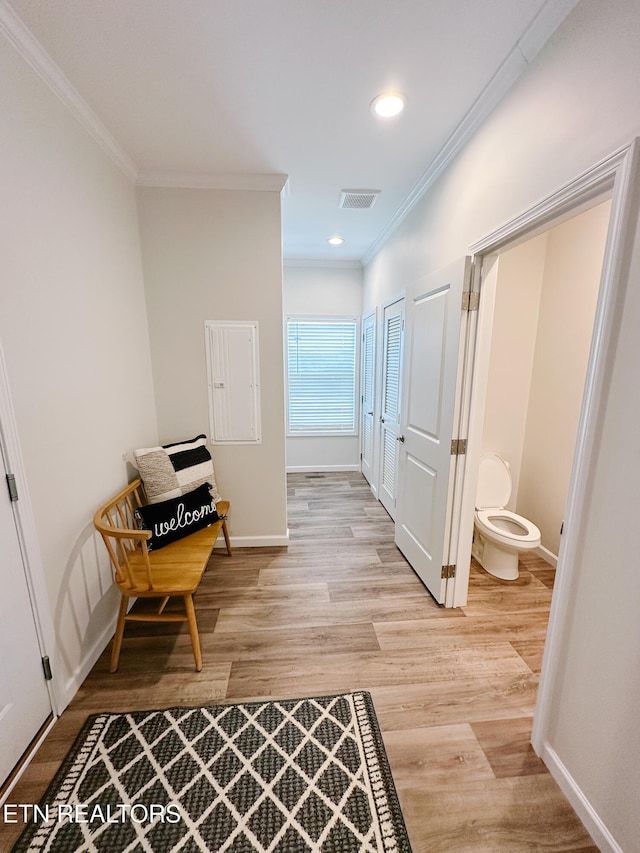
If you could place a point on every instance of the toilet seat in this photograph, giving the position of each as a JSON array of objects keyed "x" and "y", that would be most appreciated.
[
  {"x": 497, "y": 523},
  {"x": 486, "y": 520},
  {"x": 501, "y": 534}
]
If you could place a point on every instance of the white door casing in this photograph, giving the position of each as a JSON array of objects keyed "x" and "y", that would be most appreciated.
[
  {"x": 432, "y": 348},
  {"x": 368, "y": 393},
  {"x": 24, "y": 698},
  {"x": 29, "y": 571},
  {"x": 390, "y": 406}
]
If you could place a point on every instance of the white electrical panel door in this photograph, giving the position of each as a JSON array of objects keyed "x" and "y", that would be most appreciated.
[{"x": 234, "y": 382}]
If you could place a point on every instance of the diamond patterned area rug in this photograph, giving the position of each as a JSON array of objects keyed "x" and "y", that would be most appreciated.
[{"x": 287, "y": 776}]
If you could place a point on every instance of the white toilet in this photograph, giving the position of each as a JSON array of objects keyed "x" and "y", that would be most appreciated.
[{"x": 499, "y": 535}]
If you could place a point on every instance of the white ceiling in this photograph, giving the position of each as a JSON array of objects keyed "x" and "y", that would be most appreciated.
[{"x": 222, "y": 92}]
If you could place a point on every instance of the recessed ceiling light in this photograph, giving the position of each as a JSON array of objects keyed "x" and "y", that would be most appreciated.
[
  {"x": 388, "y": 105},
  {"x": 336, "y": 240}
]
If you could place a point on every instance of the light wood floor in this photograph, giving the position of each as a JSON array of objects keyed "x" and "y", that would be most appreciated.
[{"x": 340, "y": 609}]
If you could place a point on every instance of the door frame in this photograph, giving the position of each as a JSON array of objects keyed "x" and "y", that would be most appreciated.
[
  {"x": 380, "y": 365},
  {"x": 613, "y": 177},
  {"x": 458, "y": 277},
  {"x": 28, "y": 541},
  {"x": 370, "y": 316}
]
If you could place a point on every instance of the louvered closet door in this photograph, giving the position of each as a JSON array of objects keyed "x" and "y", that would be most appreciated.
[
  {"x": 368, "y": 385},
  {"x": 393, "y": 332}
]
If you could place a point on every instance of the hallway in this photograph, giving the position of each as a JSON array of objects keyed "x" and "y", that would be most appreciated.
[{"x": 340, "y": 609}]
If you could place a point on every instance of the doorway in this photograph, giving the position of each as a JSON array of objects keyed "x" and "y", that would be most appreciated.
[
  {"x": 27, "y": 700},
  {"x": 546, "y": 292},
  {"x": 24, "y": 698},
  {"x": 390, "y": 406}
]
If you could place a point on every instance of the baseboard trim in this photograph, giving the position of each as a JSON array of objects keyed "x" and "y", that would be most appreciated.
[
  {"x": 80, "y": 673},
  {"x": 581, "y": 805},
  {"x": 547, "y": 556},
  {"x": 256, "y": 541},
  {"x": 319, "y": 469}
]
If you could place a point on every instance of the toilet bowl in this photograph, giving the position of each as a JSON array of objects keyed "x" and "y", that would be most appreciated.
[{"x": 499, "y": 535}]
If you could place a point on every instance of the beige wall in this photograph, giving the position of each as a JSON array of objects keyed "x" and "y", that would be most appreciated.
[
  {"x": 73, "y": 328},
  {"x": 216, "y": 255},
  {"x": 572, "y": 270},
  {"x": 324, "y": 291},
  {"x": 545, "y": 302},
  {"x": 513, "y": 338},
  {"x": 576, "y": 104}
]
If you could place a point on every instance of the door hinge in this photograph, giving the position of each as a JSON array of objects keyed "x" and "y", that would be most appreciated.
[
  {"x": 11, "y": 485},
  {"x": 46, "y": 667},
  {"x": 470, "y": 300},
  {"x": 458, "y": 446},
  {"x": 448, "y": 572}
]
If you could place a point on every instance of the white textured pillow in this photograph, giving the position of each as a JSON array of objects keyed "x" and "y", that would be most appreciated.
[{"x": 174, "y": 469}]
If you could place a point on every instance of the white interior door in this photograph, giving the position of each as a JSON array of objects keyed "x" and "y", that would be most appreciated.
[
  {"x": 368, "y": 386},
  {"x": 24, "y": 698},
  {"x": 392, "y": 345},
  {"x": 433, "y": 316}
]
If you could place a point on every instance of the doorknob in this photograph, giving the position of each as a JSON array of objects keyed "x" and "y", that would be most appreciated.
[
  {"x": 400, "y": 438},
  {"x": 381, "y": 419}
]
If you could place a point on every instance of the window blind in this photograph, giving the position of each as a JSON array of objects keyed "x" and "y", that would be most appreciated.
[{"x": 321, "y": 367}]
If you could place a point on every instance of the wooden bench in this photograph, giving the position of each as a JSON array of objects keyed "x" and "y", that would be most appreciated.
[{"x": 175, "y": 570}]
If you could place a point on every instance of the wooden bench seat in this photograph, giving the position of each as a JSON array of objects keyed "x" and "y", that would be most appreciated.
[{"x": 175, "y": 570}]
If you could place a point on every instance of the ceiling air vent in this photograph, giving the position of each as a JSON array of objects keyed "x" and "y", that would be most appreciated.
[{"x": 358, "y": 199}]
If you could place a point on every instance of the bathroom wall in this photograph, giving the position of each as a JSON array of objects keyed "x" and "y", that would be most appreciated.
[
  {"x": 545, "y": 303},
  {"x": 572, "y": 271},
  {"x": 513, "y": 339}
]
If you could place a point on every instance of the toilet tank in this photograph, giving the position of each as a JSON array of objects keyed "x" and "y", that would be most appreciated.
[{"x": 494, "y": 482}]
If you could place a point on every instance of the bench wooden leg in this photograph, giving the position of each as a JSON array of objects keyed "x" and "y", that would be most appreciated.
[
  {"x": 193, "y": 631},
  {"x": 117, "y": 637},
  {"x": 226, "y": 536}
]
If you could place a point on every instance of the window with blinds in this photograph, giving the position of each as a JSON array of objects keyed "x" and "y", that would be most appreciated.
[{"x": 321, "y": 373}]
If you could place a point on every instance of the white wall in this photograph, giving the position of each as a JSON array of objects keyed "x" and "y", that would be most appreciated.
[
  {"x": 572, "y": 269},
  {"x": 326, "y": 291},
  {"x": 216, "y": 255},
  {"x": 576, "y": 104},
  {"x": 74, "y": 331}
]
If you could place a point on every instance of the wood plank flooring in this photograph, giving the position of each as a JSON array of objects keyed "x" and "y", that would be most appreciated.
[{"x": 340, "y": 609}]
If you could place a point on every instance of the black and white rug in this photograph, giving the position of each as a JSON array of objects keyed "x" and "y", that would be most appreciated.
[{"x": 288, "y": 776}]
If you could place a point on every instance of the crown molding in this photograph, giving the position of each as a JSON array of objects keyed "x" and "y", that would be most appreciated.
[
  {"x": 548, "y": 19},
  {"x": 23, "y": 40},
  {"x": 205, "y": 181},
  {"x": 545, "y": 23},
  {"x": 320, "y": 263},
  {"x": 26, "y": 44}
]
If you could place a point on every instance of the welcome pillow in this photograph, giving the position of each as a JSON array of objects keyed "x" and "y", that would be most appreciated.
[
  {"x": 176, "y": 518},
  {"x": 174, "y": 469}
]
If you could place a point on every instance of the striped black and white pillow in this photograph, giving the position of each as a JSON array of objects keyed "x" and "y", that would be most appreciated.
[{"x": 174, "y": 469}]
